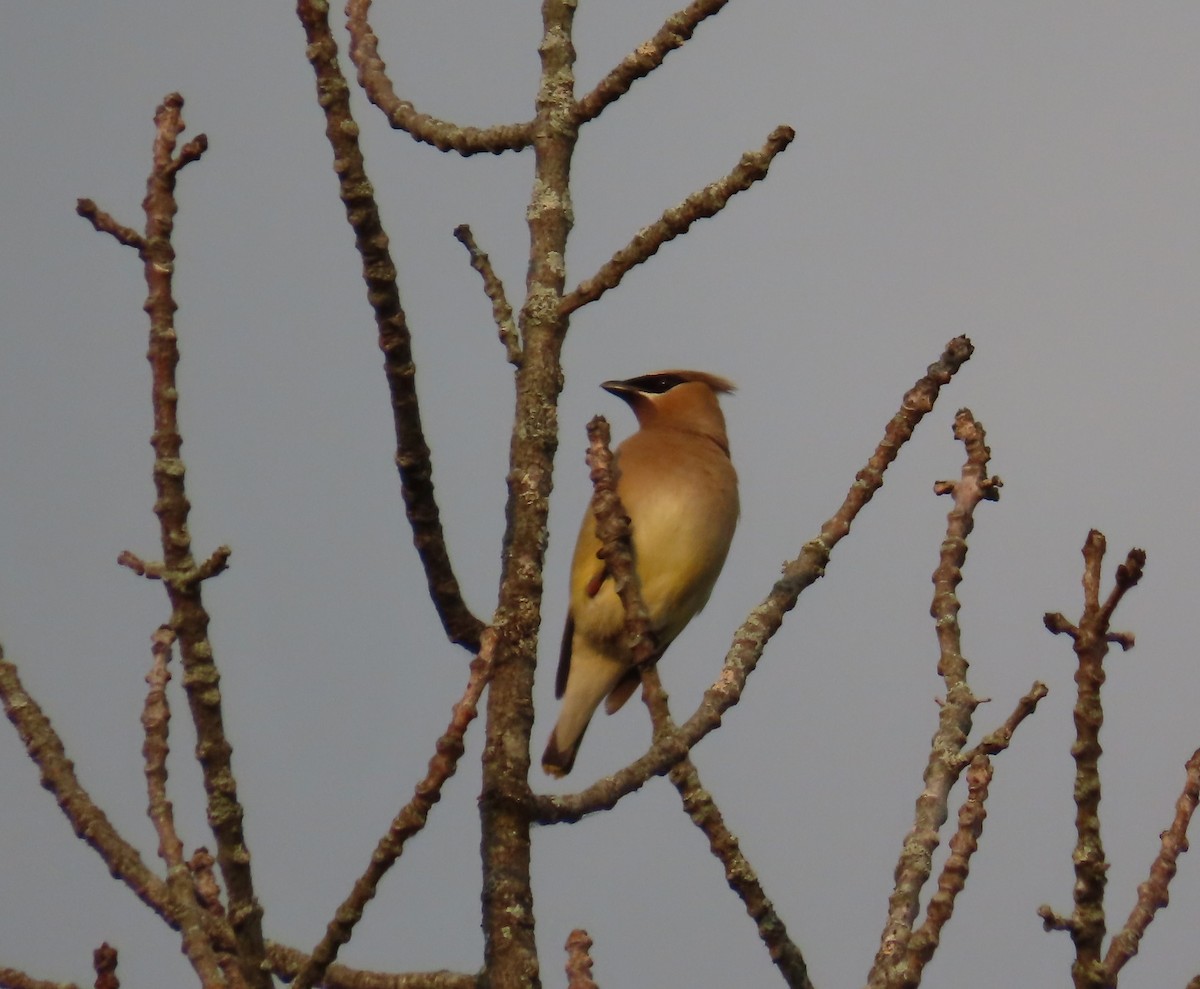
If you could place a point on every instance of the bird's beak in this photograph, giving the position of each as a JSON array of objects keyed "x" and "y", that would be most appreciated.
[{"x": 622, "y": 389}]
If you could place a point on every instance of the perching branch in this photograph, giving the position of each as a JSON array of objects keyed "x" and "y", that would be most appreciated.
[
  {"x": 613, "y": 531},
  {"x": 616, "y": 543},
  {"x": 383, "y": 293},
  {"x": 402, "y": 115},
  {"x": 678, "y": 219},
  {"x": 764, "y": 621}
]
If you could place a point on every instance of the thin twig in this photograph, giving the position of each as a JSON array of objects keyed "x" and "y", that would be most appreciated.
[
  {"x": 893, "y": 965},
  {"x": 963, "y": 844},
  {"x": 180, "y": 579},
  {"x": 105, "y": 224},
  {"x": 1091, "y": 638},
  {"x": 156, "y": 716},
  {"x": 383, "y": 294},
  {"x": 45, "y": 749},
  {"x": 1153, "y": 893},
  {"x": 501, "y": 311},
  {"x": 401, "y": 114},
  {"x": 104, "y": 962},
  {"x": 409, "y": 821},
  {"x": 998, "y": 740},
  {"x": 579, "y": 962},
  {"x": 765, "y": 620},
  {"x": 677, "y": 220},
  {"x": 647, "y": 57}
]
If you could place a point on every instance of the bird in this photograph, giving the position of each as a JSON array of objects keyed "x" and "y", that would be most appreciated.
[{"x": 678, "y": 486}]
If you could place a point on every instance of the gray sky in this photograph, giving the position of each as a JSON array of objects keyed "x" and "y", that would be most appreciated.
[{"x": 1024, "y": 173}]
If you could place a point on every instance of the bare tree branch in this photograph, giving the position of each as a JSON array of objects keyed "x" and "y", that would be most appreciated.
[
  {"x": 895, "y": 964},
  {"x": 1091, "y": 638},
  {"x": 442, "y": 134},
  {"x": 579, "y": 962},
  {"x": 383, "y": 293},
  {"x": 764, "y": 621},
  {"x": 287, "y": 962},
  {"x": 1152, "y": 894},
  {"x": 45, "y": 749},
  {"x": 181, "y": 576},
  {"x": 104, "y": 961},
  {"x": 501, "y": 310},
  {"x": 971, "y": 815},
  {"x": 998, "y": 740},
  {"x": 647, "y": 57},
  {"x": 409, "y": 821},
  {"x": 153, "y": 570},
  {"x": 506, "y": 802},
  {"x": 156, "y": 716},
  {"x": 105, "y": 224},
  {"x": 675, "y": 221},
  {"x": 11, "y": 978}
]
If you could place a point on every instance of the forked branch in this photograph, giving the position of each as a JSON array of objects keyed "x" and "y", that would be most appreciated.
[
  {"x": 1091, "y": 637},
  {"x": 181, "y": 576},
  {"x": 904, "y": 952}
]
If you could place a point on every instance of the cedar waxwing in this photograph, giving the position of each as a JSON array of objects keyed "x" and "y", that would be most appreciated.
[{"x": 679, "y": 489}]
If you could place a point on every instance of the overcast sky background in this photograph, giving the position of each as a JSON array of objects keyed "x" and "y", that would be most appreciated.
[{"x": 1024, "y": 173}]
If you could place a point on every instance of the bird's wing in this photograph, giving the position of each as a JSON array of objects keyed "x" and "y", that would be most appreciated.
[
  {"x": 564, "y": 657},
  {"x": 623, "y": 690},
  {"x": 591, "y": 589}
]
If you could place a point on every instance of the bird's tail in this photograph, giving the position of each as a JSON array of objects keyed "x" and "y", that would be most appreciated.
[
  {"x": 592, "y": 677},
  {"x": 557, "y": 760}
]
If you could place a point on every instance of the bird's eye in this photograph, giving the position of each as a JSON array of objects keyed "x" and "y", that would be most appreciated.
[{"x": 656, "y": 384}]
